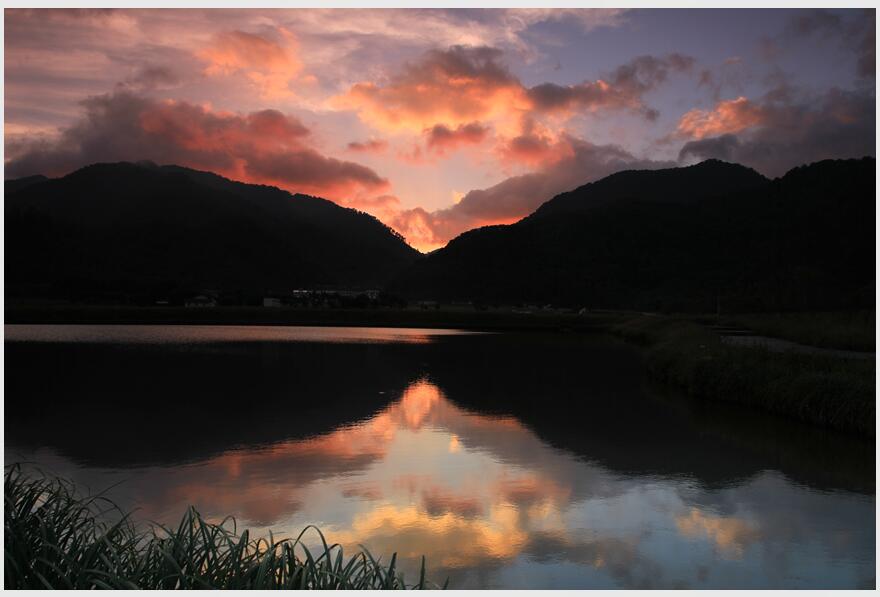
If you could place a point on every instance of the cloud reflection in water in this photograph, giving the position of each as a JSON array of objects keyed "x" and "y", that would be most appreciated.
[{"x": 485, "y": 499}]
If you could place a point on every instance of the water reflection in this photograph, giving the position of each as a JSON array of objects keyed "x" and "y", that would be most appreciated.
[
  {"x": 731, "y": 535},
  {"x": 507, "y": 462},
  {"x": 204, "y": 334},
  {"x": 486, "y": 501}
]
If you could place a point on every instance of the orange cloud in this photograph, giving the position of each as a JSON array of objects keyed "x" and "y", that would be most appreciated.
[
  {"x": 464, "y": 84},
  {"x": 728, "y": 116},
  {"x": 731, "y": 535},
  {"x": 455, "y": 87},
  {"x": 536, "y": 146},
  {"x": 265, "y": 63},
  {"x": 384, "y": 207}
]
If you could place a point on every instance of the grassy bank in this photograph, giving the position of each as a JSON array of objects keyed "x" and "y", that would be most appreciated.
[
  {"x": 848, "y": 330},
  {"x": 833, "y": 392},
  {"x": 56, "y": 539}
]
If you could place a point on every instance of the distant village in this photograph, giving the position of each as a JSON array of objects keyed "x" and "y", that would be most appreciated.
[
  {"x": 303, "y": 297},
  {"x": 321, "y": 297},
  {"x": 349, "y": 298}
]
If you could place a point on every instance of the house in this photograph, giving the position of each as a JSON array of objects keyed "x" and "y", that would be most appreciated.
[
  {"x": 201, "y": 301},
  {"x": 269, "y": 301},
  {"x": 371, "y": 294}
]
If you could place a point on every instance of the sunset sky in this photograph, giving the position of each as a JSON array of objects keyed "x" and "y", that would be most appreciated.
[{"x": 436, "y": 121}]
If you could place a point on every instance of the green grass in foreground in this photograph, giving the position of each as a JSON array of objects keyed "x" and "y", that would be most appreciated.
[
  {"x": 825, "y": 390},
  {"x": 56, "y": 539}
]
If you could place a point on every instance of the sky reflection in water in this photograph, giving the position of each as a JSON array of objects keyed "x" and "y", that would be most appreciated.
[
  {"x": 594, "y": 482},
  {"x": 490, "y": 504}
]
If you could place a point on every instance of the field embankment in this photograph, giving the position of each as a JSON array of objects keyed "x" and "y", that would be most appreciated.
[
  {"x": 830, "y": 391},
  {"x": 841, "y": 330}
]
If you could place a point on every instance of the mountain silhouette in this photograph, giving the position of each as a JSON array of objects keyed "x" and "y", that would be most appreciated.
[
  {"x": 151, "y": 231},
  {"x": 11, "y": 186},
  {"x": 712, "y": 178},
  {"x": 680, "y": 239}
]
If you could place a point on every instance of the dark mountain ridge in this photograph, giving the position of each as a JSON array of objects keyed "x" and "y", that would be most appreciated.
[
  {"x": 708, "y": 179},
  {"x": 144, "y": 229},
  {"x": 688, "y": 238}
]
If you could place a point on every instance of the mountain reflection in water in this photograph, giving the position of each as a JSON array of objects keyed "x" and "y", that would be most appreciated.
[{"x": 560, "y": 484}]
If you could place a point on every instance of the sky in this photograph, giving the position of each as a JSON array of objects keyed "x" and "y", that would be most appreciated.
[{"x": 436, "y": 121}]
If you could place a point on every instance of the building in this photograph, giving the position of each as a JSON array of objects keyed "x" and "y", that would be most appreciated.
[{"x": 200, "y": 301}]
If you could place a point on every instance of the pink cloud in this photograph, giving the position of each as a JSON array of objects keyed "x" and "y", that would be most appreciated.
[
  {"x": 463, "y": 84},
  {"x": 727, "y": 116},
  {"x": 264, "y": 146},
  {"x": 267, "y": 64}
]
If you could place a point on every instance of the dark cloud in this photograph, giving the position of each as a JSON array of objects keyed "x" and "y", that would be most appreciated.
[
  {"x": 466, "y": 62},
  {"x": 866, "y": 47},
  {"x": 149, "y": 78},
  {"x": 306, "y": 167},
  {"x": 721, "y": 148},
  {"x": 441, "y": 137},
  {"x": 437, "y": 502},
  {"x": 624, "y": 88},
  {"x": 729, "y": 77},
  {"x": 644, "y": 73},
  {"x": 818, "y": 21},
  {"x": 265, "y": 146},
  {"x": 839, "y": 124},
  {"x": 858, "y": 35},
  {"x": 369, "y": 146}
]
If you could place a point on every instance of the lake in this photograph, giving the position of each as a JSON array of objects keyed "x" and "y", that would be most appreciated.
[{"x": 507, "y": 460}]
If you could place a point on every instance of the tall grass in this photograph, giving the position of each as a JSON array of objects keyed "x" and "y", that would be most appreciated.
[
  {"x": 57, "y": 539},
  {"x": 825, "y": 390}
]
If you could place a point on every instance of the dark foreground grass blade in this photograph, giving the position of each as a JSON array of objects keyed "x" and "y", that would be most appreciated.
[{"x": 56, "y": 540}]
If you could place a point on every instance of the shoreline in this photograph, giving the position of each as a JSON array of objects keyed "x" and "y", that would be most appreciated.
[
  {"x": 829, "y": 391},
  {"x": 490, "y": 320}
]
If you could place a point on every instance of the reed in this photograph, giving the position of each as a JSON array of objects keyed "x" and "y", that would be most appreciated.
[{"x": 58, "y": 539}]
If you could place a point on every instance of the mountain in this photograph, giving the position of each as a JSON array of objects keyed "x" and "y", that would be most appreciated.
[
  {"x": 152, "y": 231},
  {"x": 11, "y": 186},
  {"x": 712, "y": 178},
  {"x": 680, "y": 239}
]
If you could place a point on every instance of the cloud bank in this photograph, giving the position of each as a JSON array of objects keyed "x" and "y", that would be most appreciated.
[{"x": 265, "y": 146}]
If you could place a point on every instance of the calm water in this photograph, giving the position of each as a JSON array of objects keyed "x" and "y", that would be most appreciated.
[{"x": 508, "y": 460}]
